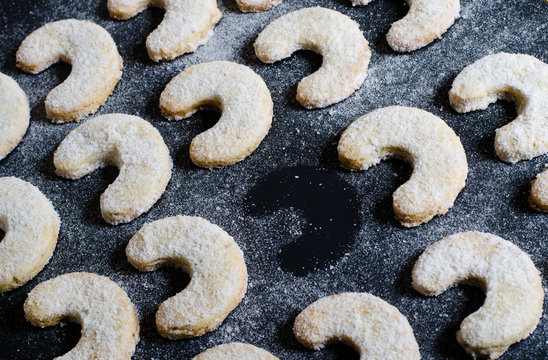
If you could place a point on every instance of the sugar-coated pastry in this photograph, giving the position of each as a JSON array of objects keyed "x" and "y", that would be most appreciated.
[
  {"x": 96, "y": 65},
  {"x": 374, "y": 328},
  {"x": 335, "y": 36},
  {"x": 187, "y": 24},
  {"x": 127, "y": 142},
  {"x": 110, "y": 327},
  {"x": 425, "y": 21},
  {"x": 209, "y": 255},
  {"x": 426, "y": 142},
  {"x": 31, "y": 226},
  {"x": 235, "y": 351},
  {"x": 256, "y": 5},
  {"x": 238, "y": 92},
  {"x": 515, "y": 77},
  {"x": 14, "y": 114},
  {"x": 512, "y": 285},
  {"x": 539, "y": 192}
]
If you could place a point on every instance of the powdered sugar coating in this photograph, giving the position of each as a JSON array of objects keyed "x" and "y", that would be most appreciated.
[
  {"x": 539, "y": 192},
  {"x": 256, "y": 5},
  {"x": 335, "y": 36},
  {"x": 31, "y": 225},
  {"x": 425, "y": 21},
  {"x": 96, "y": 65},
  {"x": 187, "y": 24},
  {"x": 515, "y": 77},
  {"x": 209, "y": 255},
  {"x": 374, "y": 328},
  {"x": 514, "y": 294},
  {"x": 110, "y": 327},
  {"x": 127, "y": 142},
  {"x": 380, "y": 256},
  {"x": 235, "y": 351},
  {"x": 419, "y": 137},
  {"x": 238, "y": 92},
  {"x": 14, "y": 114}
]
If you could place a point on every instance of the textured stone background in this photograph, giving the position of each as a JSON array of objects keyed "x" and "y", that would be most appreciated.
[{"x": 325, "y": 232}]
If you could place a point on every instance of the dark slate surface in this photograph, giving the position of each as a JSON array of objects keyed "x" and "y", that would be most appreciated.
[{"x": 325, "y": 232}]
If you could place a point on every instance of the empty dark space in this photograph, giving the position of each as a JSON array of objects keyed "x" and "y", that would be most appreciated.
[{"x": 329, "y": 205}]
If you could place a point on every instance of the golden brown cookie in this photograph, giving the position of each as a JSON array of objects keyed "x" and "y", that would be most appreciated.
[
  {"x": 539, "y": 192},
  {"x": 187, "y": 24},
  {"x": 96, "y": 65},
  {"x": 515, "y": 77},
  {"x": 110, "y": 327},
  {"x": 31, "y": 225},
  {"x": 127, "y": 142},
  {"x": 425, "y": 21},
  {"x": 256, "y": 5},
  {"x": 512, "y": 285},
  {"x": 209, "y": 255},
  {"x": 14, "y": 114},
  {"x": 333, "y": 35},
  {"x": 238, "y": 92},
  {"x": 422, "y": 139},
  {"x": 235, "y": 351},
  {"x": 374, "y": 328}
]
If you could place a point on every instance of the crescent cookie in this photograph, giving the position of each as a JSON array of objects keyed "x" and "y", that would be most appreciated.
[
  {"x": 31, "y": 226},
  {"x": 256, "y": 5},
  {"x": 514, "y": 77},
  {"x": 14, "y": 114},
  {"x": 238, "y": 92},
  {"x": 209, "y": 255},
  {"x": 335, "y": 36},
  {"x": 514, "y": 295},
  {"x": 374, "y": 328},
  {"x": 539, "y": 192},
  {"x": 96, "y": 65},
  {"x": 235, "y": 351},
  {"x": 110, "y": 327},
  {"x": 419, "y": 137},
  {"x": 187, "y": 24},
  {"x": 127, "y": 142},
  {"x": 425, "y": 21}
]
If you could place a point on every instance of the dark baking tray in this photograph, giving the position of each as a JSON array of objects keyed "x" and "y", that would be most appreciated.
[{"x": 307, "y": 227}]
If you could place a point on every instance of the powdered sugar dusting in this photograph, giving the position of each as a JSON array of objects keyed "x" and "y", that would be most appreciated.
[
  {"x": 380, "y": 256},
  {"x": 235, "y": 90},
  {"x": 376, "y": 329},
  {"x": 187, "y": 24},
  {"x": 127, "y": 142},
  {"x": 336, "y": 37},
  {"x": 514, "y": 294},
  {"x": 92, "y": 54}
]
